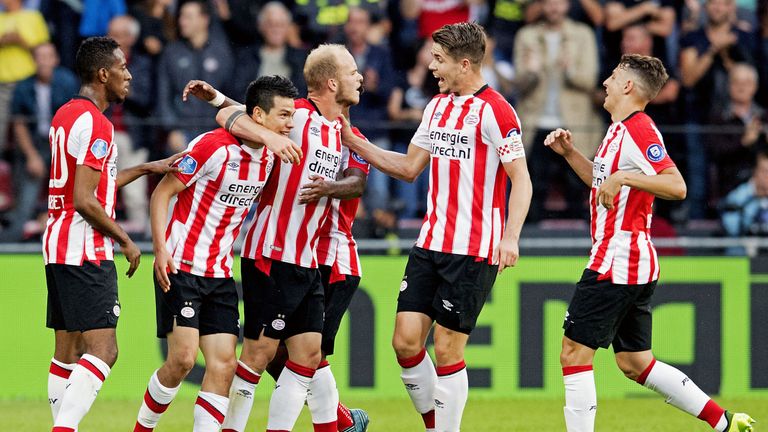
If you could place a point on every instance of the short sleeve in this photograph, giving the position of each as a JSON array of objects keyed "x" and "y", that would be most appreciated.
[
  {"x": 354, "y": 160},
  {"x": 205, "y": 155},
  {"x": 421, "y": 137},
  {"x": 652, "y": 157},
  {"x": 501, "y": 129},
  {"x": 94, "y": 139}
]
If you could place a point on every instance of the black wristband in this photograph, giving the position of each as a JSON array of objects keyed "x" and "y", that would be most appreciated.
[{"x": 232, "y": 119}]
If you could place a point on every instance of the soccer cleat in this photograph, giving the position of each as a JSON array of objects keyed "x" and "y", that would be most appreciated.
[
  {"x": 739, "y": 422},
  {"x": 360, "y": 419}
]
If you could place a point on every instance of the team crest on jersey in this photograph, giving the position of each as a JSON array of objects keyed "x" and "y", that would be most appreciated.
[
  {"x": 359, "y": 158},
  {"x": 99, "y": 148},
  {"x": 188, "y": 165},
  {"x": 655, "y": 152},
  {"x": 472, "y": 120},
  {"x": 514, "y": 132}
]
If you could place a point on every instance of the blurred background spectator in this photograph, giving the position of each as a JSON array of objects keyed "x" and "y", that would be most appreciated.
[{"x": 744, "y": 211}]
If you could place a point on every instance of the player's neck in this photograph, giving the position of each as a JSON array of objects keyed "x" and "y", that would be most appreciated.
[
  {"x": 473, "y": 83},
  {"x": 621, "y": 112},
  {"x": 98, "y": 97},
  {"x": 329, "y": 108}
]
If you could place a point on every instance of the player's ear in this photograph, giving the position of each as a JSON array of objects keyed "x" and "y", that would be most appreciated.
[
  {"x": 333, "y": 85},
  {"x": 103, "y": 75},
  {"x": 258, "y": 115}
]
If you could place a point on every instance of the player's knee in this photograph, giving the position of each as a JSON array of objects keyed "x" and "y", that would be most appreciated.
[
  {"x": 406, "y": 347},
  {"x": 181, "y": 363},
  {"x": 628, "y": 368},
  {"x": 447, "y": 353},
  {"x": 224, "y": 368}
]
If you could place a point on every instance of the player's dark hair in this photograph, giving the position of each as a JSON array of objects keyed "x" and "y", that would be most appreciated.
[
  {"x": 261, "y": 92},
  {"x": 464, "y": 40},
  {"x": 650, "y": 71},
  {"x": 94, "y": 53}
]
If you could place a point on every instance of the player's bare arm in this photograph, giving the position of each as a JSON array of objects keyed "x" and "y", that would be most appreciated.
[
  {"x": 85, "y": 202},
  {"x": 561, "y": 142},
  {"x": 236, "y": 121},
  {"x": 206, "y": 92},
  {"x": 161, "y": 166},
  {"x": 398, "y": 165},
  {"x": 668, "y": 184},
  {"x": 508, "y": 250},
  {"x": 168, "y": 187},
  {"x": 351, "y": 186}
]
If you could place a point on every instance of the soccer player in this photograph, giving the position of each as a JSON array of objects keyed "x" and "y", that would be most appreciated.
[
  {"x": 282, "y": 287},
  {"x": 339, "y": 266},
  {"x": 611, "y": 304},
  {"x": 471, "y": 138},
  {"x": 197, "y": 303},
  {"x": 83, "y": 305}
]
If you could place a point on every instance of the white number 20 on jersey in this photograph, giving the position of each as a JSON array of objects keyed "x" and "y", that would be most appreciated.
[{"x": 59, "y": 169}]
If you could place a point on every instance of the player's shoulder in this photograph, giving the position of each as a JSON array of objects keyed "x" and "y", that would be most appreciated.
[
  {"x": 502, "y": 111},
  {"x": 357, "y": 132},
  {"x": 642, "y": 129},
  {"x": 208, "y": 143},
  {"x": 303, "y": 103}
]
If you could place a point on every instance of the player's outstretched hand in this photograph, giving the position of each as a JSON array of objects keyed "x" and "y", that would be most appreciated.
[
  {"x": 166, "y": 165},
  {"x": 133, "y": 255},
  {"x": 284, "y": 148},
  {"x": 199, "y": 89},
  {"x": 315, "y": 190},
  {"x": 560, "y": 140},
  {"x": 162, "y": 266},
  {"x": 506, "y": 253},
  {"x": 609, "y": 188}
]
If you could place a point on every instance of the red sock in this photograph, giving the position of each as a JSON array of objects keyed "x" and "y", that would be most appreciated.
[
  {"x": 429, "y": 419},
  {"x": 344, "y": 417}
]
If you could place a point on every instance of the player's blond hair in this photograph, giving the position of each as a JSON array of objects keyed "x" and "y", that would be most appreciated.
[{"x": 322, "y": 64}]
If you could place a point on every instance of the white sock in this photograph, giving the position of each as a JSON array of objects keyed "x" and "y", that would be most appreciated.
[
  {"x": 84, "y": 384},
  {"x": 682, "y": 393},
  {"x": 450, "y": 396},
  {"x": 58, "y": 375},
  {"x": 323, "y": 398},
  {"x": 209, "y": 412},
  {"x": 156, "y": 401},
  {"x": 580, "y": 398},
  {"x": 289, "y": 396},
  {"x": 240, "y": 398},
  {"x": 419, "y": 377}
]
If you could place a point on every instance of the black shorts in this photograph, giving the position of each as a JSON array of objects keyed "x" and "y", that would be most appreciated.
[
  {"x": 285, "y": 303},
  {"x": 82, "y": 298},
  {"x": 338, "y": 296},
  {"x": 205, "y": 303},
  {"x": 451, "y": 289},
  {"x": 602, "y": 313}
]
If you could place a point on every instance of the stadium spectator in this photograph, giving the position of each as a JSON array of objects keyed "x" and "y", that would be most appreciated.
[
  {"x": 611, "y": 304},
  {"x": 506, "y": 18},
  {"x": 657, "y": 15},
  {"x": 63, "y": 17},
  {"x": 133, "y": 137},
  {"x": 742, "y": 132},
  {"x": 454, "y": 263},
  {"x": 744, "y": 211},
  {"x": 412, "y": 92},
  {"x": 274, "y": 55},
  {"x": 20, "y": 31},
  {"x": 237, "y": 18},
  {"x": 157, "y": 24},
  {"x": 196, "y": 296},
  {"x": 375, "y": 65},
  {"x": 83, "y": 303},
  {"x": 556, "y": 93},
  {"x": 705, "y": 57},
  {"x": 322, "y": 21},
  {"x": 199, "y": 54},
  {"x": 35, "y": 99},
  {"x": 97, "y": 14}
]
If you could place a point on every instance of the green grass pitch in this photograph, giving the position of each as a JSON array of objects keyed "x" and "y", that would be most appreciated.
[{"x": 626, "y": 415}]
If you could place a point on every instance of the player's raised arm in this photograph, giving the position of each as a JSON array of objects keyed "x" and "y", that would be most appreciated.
[
  {"x": 85, "y": 202},
  {"x": 207, "y": 93},
  {"x": 561, "y": 142},
  {"x": 236, "y": 122},
  {"x": 406, "y": 166}
]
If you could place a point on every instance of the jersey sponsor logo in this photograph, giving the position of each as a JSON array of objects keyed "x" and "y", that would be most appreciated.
[
  {"x": 326, "y": 165},
  {"x": 655, "y": 152},
  {"x": 188, "y": 165},
  {"x": 514, "y": 132},
  {"x": 599, "y": 173},
  {"x": 240, "y": 194},
  {"x": 450, "y": 144},
  {"x": 472, "y": 120},
  {"x": 99, "y": 148},
  {"x": 359, "y": 158}
]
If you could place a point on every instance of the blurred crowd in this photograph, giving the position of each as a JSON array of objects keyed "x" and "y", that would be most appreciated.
[{"x": 549, "y": 57}]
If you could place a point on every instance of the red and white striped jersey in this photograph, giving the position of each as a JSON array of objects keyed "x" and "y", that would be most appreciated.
[
  {"x": 621, "y": 237},
  {"x": 80, "y": 135},
  {"x": 336, "y": 247},
  {"x": 469, "y": 137},
  {"x": 283, "y": 229},
  {"x": 223, "y": 179}
]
